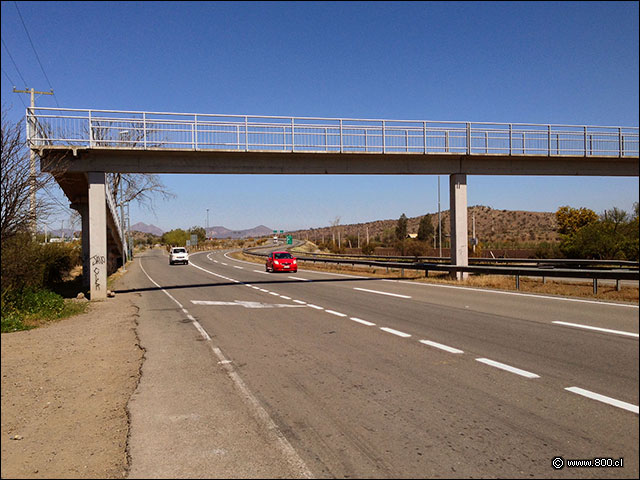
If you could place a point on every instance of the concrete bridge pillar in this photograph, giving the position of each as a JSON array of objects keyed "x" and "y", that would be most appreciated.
[
  {"x": 458, "y": 217},
  {"x": 97, "y": 220}
]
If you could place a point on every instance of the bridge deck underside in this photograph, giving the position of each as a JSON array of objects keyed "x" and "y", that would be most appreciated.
[{"x": 69, "y": 160}]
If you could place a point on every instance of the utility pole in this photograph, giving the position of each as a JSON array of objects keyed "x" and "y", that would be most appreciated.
[
  {"x": 439, "y": 220},
  {"x": 32, "y": 157}
]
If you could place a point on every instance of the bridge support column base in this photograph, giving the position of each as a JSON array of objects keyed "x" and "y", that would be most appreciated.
[
  {"x": 97, "y": 236},
  {"x": 459, "y": 223}
]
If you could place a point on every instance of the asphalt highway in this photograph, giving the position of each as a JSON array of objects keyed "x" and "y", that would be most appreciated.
[{"x": 377, "y": 378}]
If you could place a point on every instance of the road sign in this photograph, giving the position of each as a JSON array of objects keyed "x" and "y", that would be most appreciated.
[
  {"x": 289, "y": 239},
  {"x": 194, "y": 239}
]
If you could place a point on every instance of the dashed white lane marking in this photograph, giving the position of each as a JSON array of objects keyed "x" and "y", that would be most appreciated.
[
  {"x": 236, "y": 266},
  {"x": 441, "y": 346},
  {"x": 224, "y": 263},
  {"x": 605, "y": 330},
  {"x": 300, "y": 279},
  {"x": 363, "y": 322},
  {"x": 602, "y": 398},
  {"x": 508, "y": 368},
  {"x": 333, "y": 312},
  {"x": 285, "y": 297},
  {"x": 261, "y": 271},
  {"x": 245, "y": 304},
  {"x": 498, "y": 292},
  {"x": 315, "y": 306},
  {"x": 300, "y": 302},
  {"x": 381, "y": 293},
  {"x": 395, "y": 332}
]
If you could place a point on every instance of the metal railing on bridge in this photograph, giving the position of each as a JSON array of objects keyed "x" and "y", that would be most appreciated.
[{"x": 190, "y": 131}]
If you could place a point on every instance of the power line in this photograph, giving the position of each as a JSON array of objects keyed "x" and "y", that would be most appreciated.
[
  {"x": 34, "y": 51},
  {"x": 14, "y": 62},
  {"x": 13, "y": 83}
]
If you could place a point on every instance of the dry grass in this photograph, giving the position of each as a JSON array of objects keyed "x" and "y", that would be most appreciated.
[{"x": 565, "y": 288}]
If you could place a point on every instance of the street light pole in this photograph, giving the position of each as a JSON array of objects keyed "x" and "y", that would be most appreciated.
[{"x": 439, "y": 221}]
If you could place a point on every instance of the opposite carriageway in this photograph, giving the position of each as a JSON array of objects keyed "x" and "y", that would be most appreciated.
[{"x": 71, "y": 141}]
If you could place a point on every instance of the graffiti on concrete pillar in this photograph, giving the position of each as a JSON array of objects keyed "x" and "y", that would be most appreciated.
[{"x": 97, "y": 262}]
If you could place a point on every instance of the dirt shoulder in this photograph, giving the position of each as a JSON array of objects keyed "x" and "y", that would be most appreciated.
[{"x": 65, "y": 389}]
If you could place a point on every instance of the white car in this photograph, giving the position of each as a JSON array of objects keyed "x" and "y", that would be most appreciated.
[{"x": 178, "y": 255}]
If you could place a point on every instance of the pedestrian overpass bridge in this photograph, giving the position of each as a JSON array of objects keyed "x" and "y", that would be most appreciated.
[{"x": 80, "y": 146}]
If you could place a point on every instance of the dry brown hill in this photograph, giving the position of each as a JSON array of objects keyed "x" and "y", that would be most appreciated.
[{"x": 492, "y": 226}]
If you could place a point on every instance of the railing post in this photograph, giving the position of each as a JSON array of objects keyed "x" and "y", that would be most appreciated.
[
  {"x": 446, "y": 141},
  {"x": 246, "y": 134},
  {"x": 384, "y": 149},
  {"x": 293, "y": 142},
  {"x": 90, "y": 131},
  {"x": 548, "y": 140},
  {"x": 425, "y": 136},
  {"x": 340, "y": 135},
  {"x": 468, "y": 138},
  {"x": 524, "y": 143},
  {"x": 195, "y": 133},
  {"x": 486, "y": 143},
  {"x": 238, "y": 137},
  {"x": 585, "y": 141},
  {"x": 144, "y": 128},
  {"x": 619, "y": 142},
  {"x": 510, "y": 139}
]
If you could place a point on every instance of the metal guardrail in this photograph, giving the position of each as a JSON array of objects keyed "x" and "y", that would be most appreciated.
[
  {"x": 192, "y": 131},
  {"x": 511, "y": 270},
  {"x": 542, "y": 263}
]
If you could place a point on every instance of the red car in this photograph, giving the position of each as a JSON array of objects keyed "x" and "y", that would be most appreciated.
[{"x": 281, "y": 262}]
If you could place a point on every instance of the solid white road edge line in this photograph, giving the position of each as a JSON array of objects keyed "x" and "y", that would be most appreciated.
[
  {"x": 291, "y": 456},
  {"x": 606, "y": 330},
  {"x": 508, "y": 368},
  {"x": 602, "y": 398},
  {"x": 498, "y": 292}
]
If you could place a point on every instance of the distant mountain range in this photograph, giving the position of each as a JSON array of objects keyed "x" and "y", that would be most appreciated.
[
  {"x": 222, "y": 232},
  {"x": 144, "y": 228},
  {"x": 214, "y": 232}
]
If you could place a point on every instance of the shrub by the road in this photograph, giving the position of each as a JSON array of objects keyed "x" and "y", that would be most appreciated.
[{"x": 30, "y": 270}]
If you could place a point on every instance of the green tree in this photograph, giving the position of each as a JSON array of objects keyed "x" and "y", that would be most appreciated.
[
  {"x": 570, "y": 220},
  {"x": 177, "y": 237},
  {"x": 200, "y": 232},
  {"x": 401, "y": 227},
  {"x": 613, "y": 237},
  {"x": 369, "y": 248},
  {"x": 425, "y": 229}
]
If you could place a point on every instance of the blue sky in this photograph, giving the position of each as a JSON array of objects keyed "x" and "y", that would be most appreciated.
[{"x": 520, "y": 62}]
